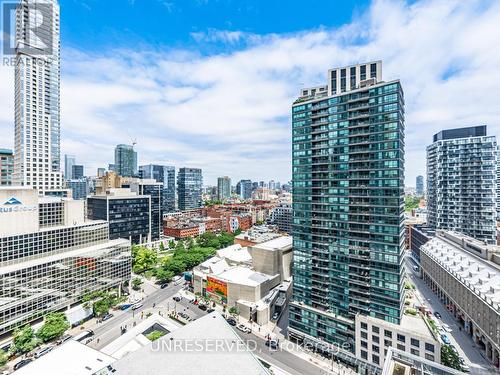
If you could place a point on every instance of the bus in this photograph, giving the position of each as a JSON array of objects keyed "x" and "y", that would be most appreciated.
[{"x": 84, "y": 335}]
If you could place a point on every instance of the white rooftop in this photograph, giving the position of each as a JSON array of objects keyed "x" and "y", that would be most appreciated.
[
  {"x": 208, "y": 345},
  {"x": 279, "y": 243},
  {"x": 214, "y": 265},
  {"x": 235, "y": 253},
  {"x": 478, "y": 275},
  {"x": 71, "y": 358},
  {"x": 244, "y": 276}
]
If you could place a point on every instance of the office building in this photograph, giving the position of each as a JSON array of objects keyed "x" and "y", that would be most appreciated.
[
  {"x": 498, "y": 183},
  {"x": 80, "y": 188},
  {"x": 244, "y": 189},
  {"x": 51, "y": 256},
  {"x": 69, "y": 161},
  {"x": 189, "y": 186},
  {"x": 282, "y": 217},
  {"x": 255, "y": 185},
  {"x": 128, "y": 214},
  {"x": 77, "y": 172},
  {"x": 461, "y": 182},
  {"x": 398, "y": 362},
  {"x": 153, "y": 189},
  {"x": 223, "y": 188},
  {"x": 125, "y": 161},
  {"x": 101, "y": 172},
  {"x": 418, "y": 235},
  {"x": 36, "y": 100},
  {"x": 348, "y": 199},
  {"x": 465, "y": 275},
  {"x": 6, "y": 166},
  {"x": 166, "y": 175},
  {"x": 419, "y": 185}
]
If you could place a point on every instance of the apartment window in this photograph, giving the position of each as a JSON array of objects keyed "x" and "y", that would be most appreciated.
[
  {"x": 362, "y": 72},
  {"x": 375, "y": 349},
  {"x": 375, "y": 359},
  {"x": 387, "y": 343},
  {"x": 364, "y": 335},
  {"x": 343, "y": 83},
  {"x": 375, "y": 339},
  {"x": 429, "y": 347},
  {"x": 353, "y": 77},
  {"x": 373, "y": 70},
  {"x": 364, "y": 325},
  {"x": 364, "y": 354},
  {"x": 429, "y": 357},
  {"x": 401, "y": 347},
  {"x": 334, "y": 82},
  {"x": 415, "y": 352},
  {"x": 415, "y": 342},
  {"x": 364, "y": 344},
  {"x": 401, "y": 338},
  {"x": 387, "y": 333},
  {"x": 375, "y": 329}
]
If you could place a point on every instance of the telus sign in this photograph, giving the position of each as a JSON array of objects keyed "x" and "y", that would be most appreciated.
[{"x": 15, "y": 205}]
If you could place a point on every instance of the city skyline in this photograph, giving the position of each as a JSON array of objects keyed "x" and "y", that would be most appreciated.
[{"x": 177, "y": 84}]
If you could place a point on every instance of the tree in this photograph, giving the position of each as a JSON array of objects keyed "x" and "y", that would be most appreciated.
[
  {"x": 190, "y": 243},
  {"x": 208, "y": 239},
  {"x": 162, "y": 246},
  {"x": 3, "y": 358},
  {"x": 102, "y": 306},
  {"x": 226, "y": 239},
  {"x": 54, "y": 326},
  {"x": 24, "y": 340},
  {"x": 237, "y": 232},
  {"x": 450, "y": 358},
  {"x": 180, "y": 246},
  {"x": 136, "y": 283},
  {"x": 163, "y": 275},
  {"x": 233, "y": 310},
  {"x": 155, "y": 335},
  {"x": 145, "y": 259},
  {"x": 171, "y": 244},
  {"x": 176, "y": 266}
]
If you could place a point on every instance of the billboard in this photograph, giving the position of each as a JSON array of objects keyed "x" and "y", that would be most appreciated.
[{"x": 217, "y": 288}]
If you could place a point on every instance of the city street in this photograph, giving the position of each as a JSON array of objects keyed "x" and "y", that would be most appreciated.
[{"x": 464, "y": 344}]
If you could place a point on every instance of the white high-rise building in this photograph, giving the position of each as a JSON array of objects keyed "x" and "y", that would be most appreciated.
[{"x": 37, "y": 86}]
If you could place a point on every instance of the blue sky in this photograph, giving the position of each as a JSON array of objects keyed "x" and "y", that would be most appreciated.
[{"x": 209, "y": 84}]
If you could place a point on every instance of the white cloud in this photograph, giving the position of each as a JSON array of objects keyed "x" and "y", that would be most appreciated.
[{"x": 229, "y": 112}]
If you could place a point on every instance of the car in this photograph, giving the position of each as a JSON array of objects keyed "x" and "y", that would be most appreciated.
[
  {"x": 447, "y": 328},
  {"x": 22, "y": 363},
  {"x": 210, "y": 310},
  {"x": 177, "y": 298},
  {"x": 63, "y": 339},
  {"x": 273, "y": 344},
  {"x": 275, "y": 316},
  {"x": 465, "y": 368},
  {"x": 107, "y": 317},
  {"x": 136, "y": 306},
  {"x": 231, "y": 321},
  {"x": 445, "y": 339},
  {"x": 437, "y": 315},
  {"x": 164, "y": 285},
  {"x": 202, "y": 307},
  {"x": 243, "y": 328},
  {"x": 43, "y": 351}
]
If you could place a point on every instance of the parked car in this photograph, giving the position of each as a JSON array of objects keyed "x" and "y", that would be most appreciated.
[
  {"x": 164, "y": 285},
  {"x": 177, "y": 298},
  {"x": 107, "y": 317},
  {"x": 273, "y": 344},
  {"x": 63, "y": 339},
  {"x": 136, "y": 305},
  {"x": 202, "y": 307},
  {"x": 43, "y": 351},
  {"x": 84, "y": 335},
  {"x": 275, "y": 316},
  {"x": 445, "y": 339},
  {"x": 437, "y": 315},
  {"x": 22, "y": 363},
  {"x": 231, "y": 321},
  {"x": 447, "y": 328},
  {"x": 210, "y": 310},
  {"x": 243, "y": 328}
]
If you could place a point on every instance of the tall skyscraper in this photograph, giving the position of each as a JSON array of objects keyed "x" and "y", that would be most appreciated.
[
  {"x": 189, "y": 187},
  {"x": 125, "y": 161},
  {"x": 6, "y": 166},
  {"x": 166, "y": 175},
  {"x": 69, "y": 161},
  {"x": 223, "y": 188},
  {"x": 461, "y": 182},
  {"x": 498, "y": 183},
  {"x": 37, "y": 85},
  {"x": 77, "y": 172},
  {"x": 419, "y": 185},
  {"x": 101, "y": 172},
  {"x": 348, "y": 199},
  {"x": 244, "y": 189}
]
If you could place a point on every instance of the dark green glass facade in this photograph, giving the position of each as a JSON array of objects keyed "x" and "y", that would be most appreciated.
[{"x": 348, "y": 198}]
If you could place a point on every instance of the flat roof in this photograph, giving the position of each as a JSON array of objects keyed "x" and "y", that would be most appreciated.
[
  {"x": 279, "y": 243},
  {"x": 475, "y": 273},
  {"x": 71, "y": 358},
  {"x": 243, "y": 275},
  {"x": 209, "y": 345},
  {"x": 235, "y": 253}
]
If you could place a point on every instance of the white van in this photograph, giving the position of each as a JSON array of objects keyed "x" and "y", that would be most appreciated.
[{"x": 136, "y": 306}]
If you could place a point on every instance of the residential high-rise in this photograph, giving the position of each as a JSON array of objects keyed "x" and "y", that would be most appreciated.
[
  {"x": 419, "y": 185},
  {"x": 101, "y": 172},
  {"x": 244, "y": 189},
  {"x": 77, "y": 172},
  {"x": 223, "y": 188},
  {"x": 461, "y": 182},
  {"x": 189, "y": 187},
  {"x": 37, "y": 85},
  {"x": 80, "y": 188},
  {"x": 69, "y": 161},
  {"x": 166, "y": 175},
  {"x": 6, "y": 166},
  {"x": 348, "y": 201},
  {"x": 125, "y": 161}
]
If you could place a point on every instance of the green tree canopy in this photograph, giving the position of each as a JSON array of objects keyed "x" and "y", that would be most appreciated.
[
  {"x": 136, "y": 283},
  {"x": 54, "y": 326},
  {"x": 3, "y": 358},
  {"x": 145, "y": 259},
  {"x": 164, "y": 275},
  {"x": 24, "y": 340}
]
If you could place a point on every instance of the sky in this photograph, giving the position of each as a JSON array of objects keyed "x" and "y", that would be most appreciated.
[{"x": 210, "y": 83}]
